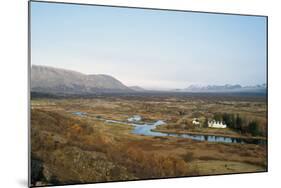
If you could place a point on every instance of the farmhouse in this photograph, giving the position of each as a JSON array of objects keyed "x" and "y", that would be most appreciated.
[
  {"x": 195, "y": 121},
  {"x": 216, "y": 124}
]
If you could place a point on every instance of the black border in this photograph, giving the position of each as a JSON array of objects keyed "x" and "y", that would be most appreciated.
[{"x": 145, "y": 8}]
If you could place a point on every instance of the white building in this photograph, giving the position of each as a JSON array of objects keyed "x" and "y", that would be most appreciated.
[
  {"x": 134, "y": 118},
  {"x": 216, "y": 124},
  {"x": 195, "y": 121}
]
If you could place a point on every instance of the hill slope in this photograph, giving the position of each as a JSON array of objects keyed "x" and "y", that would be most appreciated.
[
  {"x": 137, "y": 88},
  {"x": 54, "y": 80}
]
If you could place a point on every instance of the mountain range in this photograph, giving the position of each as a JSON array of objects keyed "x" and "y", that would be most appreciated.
[
  {"x": 50, "y": 80},
  {"x": 226, "y": 88}
]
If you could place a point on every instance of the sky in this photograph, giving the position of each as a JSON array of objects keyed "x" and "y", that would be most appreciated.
[{"x": 152, "y": 49}]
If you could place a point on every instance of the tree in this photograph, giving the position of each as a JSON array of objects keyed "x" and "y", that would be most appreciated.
[
  {"x": 254, "y": 128},
  {"x": 232, "y": 121},
  {"x": 226, "y": 119},
  {"x": 217, "y": 117},
  {"x": 238, "y": 122},
  {"x": 205, "y": 124}
]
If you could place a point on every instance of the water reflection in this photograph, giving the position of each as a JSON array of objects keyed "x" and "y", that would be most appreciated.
[{"x": 147, "y": 130}]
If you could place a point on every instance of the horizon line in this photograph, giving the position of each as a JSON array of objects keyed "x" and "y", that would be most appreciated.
[{"x": 144, "y": 87}]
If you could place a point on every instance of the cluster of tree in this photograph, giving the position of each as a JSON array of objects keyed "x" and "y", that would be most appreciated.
[{"x": 240, "y": 124}]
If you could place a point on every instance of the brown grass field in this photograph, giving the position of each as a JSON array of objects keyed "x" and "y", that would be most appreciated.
[{"x": 67, "y": 149}]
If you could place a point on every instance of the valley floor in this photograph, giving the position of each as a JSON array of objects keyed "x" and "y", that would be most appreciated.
[{"x": 67, "y": 148}]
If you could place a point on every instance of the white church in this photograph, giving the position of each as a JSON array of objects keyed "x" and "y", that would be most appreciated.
[{"x": 216, "y": 124}]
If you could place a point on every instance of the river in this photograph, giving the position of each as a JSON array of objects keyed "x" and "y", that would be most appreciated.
[{"x": 148, "y": 129}]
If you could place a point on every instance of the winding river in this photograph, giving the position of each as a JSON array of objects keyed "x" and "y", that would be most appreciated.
[{"x": 148, "y": 129}]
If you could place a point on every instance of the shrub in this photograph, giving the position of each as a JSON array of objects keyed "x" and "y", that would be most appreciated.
[
  {"x": 148, "y": 165},
  {"x": 188, "y": 156}
]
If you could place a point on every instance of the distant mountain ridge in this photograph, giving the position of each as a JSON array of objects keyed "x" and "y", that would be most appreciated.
[
  {"x": 55, "y": 80},
  {"x": 226, "y": 88}
]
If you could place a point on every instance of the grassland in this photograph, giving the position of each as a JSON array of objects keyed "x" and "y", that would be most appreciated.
[{"x": 66, "y": 148}]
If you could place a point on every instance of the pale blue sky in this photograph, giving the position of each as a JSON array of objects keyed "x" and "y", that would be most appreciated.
[{"x": 150, "y": 48}]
